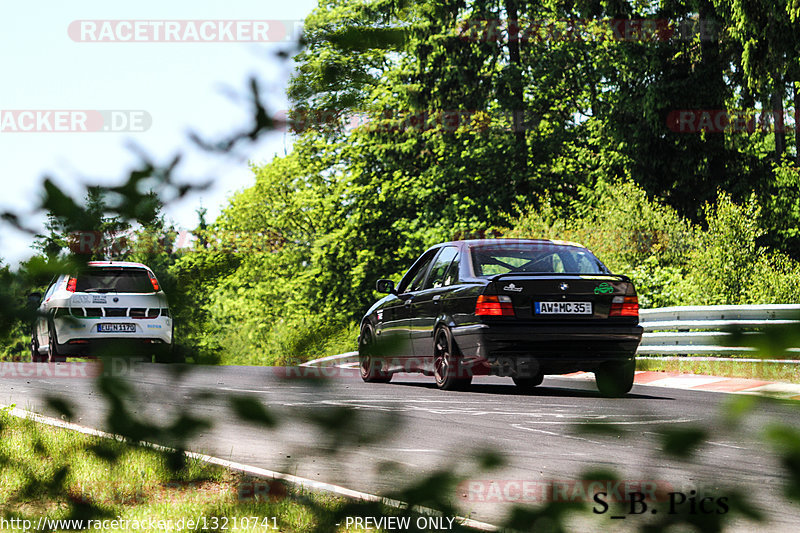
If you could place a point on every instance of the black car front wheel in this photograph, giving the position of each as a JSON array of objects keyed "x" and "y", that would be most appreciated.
[
  {"x": 36, "y": 357},
  {"x": 615, "y": 379},
  {"x": 447, "y": 370},
  {"x": 369, "y": 365}
]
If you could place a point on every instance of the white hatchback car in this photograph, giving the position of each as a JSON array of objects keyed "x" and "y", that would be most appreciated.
[{"x": 109, "y": 307}]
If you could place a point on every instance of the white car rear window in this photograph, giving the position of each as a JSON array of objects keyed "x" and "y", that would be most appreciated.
[{"x": 130, "y": 280}]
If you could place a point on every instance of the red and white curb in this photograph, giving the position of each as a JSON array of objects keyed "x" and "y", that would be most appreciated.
[{"x": 677, "y": 380}]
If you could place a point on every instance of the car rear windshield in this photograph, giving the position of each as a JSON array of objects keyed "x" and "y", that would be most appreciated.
[
  {"x": 490, "y": 260},
  {"x": 114, "y": 280}
]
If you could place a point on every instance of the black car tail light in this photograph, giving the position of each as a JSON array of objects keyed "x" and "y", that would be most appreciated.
[
  {"x": 494, "y": 306},
  {"x": 624, "y": 306}
]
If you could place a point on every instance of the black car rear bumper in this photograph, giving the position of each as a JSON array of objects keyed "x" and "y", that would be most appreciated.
[{"x": 549, "y": 349}]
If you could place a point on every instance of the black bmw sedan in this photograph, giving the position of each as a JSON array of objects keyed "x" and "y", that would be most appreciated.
[{"x": 508, "y": 307}]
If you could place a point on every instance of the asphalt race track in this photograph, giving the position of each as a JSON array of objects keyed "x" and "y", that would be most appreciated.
[{"x": 377, "y": 438}]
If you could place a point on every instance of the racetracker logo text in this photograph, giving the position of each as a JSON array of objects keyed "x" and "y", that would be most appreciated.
[
  {"x": 530, "y": 491},
  {"x": 730, "y": 121},
  {"x": 74, "y": 121},
  {"x": 184, "y": 31},
  {"x": 588, "y": 30},
  {"x": 50, "y": 370}
]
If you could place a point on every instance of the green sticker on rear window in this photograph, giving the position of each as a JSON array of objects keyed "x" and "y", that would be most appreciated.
[{"x": 604, "y": 288}]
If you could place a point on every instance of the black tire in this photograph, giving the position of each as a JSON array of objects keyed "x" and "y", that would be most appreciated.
[
  {"x": 528, "y": 384},
  {"x": 36, "y": 357},
  {"x": 52, "y": 352},
  {"x": 615, "y": 380},
  {"x": 447, "y": 369},
  {"x": 369, "y": 365},
  {"x": 165, "y": 354}
]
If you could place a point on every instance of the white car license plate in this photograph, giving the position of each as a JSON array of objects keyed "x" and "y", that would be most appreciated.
[
  {"x": 116, "y": 328},
  {"x": 563, "y": 308}
]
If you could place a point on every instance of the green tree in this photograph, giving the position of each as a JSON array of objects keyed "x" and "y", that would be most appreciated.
[
  {"x": 88, "y": 230},
  {"x": 767, "y": 31}
]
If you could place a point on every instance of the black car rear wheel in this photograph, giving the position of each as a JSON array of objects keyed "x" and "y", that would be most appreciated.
[
  {"x": 528, "y": 384},
  {"x": 369, "y": 364},
  {"x": 615, "y": 379},
  {"x": 167, "y": 353},
  {"x": 447, "y": 370}
]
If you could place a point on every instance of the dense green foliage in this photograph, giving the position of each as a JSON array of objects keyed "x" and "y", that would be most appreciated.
[
  {"x": 262, "y": 305},
  {"x": 418, "y": 124},
  {"x": 672, "y": 260}
]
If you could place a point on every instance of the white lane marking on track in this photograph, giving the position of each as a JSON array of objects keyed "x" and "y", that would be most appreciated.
[
  {"x": 519, "y": 426},
  {"x": 242, "y": 390},
  {"x": 657, "y": 434},
  {"x": 564, "y": 418},
  {"x": 725, "y": 445},
  {"x": 612, "y": 422},
  {"x": 404, "y": 400},
  {"x": 414, "y": 450},
  {"x": 530, "y": 417}
]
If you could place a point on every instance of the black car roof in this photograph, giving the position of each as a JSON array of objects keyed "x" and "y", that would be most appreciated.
[{"x": 481, "y": 242}]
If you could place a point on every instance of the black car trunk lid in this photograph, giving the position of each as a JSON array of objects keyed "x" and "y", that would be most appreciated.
[{"x": 560, "y": 297}]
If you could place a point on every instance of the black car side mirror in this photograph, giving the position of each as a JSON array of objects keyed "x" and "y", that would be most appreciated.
[
  {"x": 385, "y": 286},
  {"x": 34, "y": 298}
]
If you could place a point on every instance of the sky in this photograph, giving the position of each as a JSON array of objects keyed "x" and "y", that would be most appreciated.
[{"x": 176, "y": 86}]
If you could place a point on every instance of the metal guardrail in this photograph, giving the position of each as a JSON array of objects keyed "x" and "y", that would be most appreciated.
[{"x": 702, "y": 329}]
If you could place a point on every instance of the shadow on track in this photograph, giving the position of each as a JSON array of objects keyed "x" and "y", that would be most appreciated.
[{"x": 543, "y": 391}]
